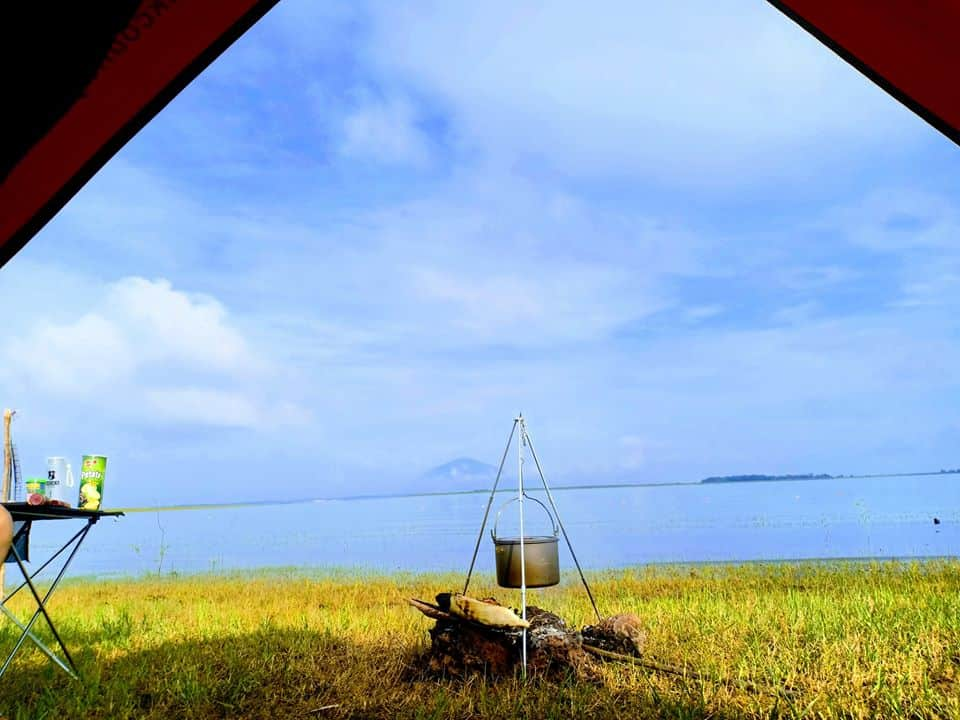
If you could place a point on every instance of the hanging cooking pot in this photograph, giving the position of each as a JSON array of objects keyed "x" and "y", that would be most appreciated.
[{"x": 540, "y": 553}]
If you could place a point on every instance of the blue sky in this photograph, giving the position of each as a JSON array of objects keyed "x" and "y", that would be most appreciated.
[{"x": 682, "y": 242}]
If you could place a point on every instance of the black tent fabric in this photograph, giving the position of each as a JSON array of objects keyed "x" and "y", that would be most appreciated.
[
  {"x": 82, "y": 78},
  {"x": 42, "y": 94}
]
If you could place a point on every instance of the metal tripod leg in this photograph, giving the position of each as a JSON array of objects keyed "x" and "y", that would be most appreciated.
[
  {"x": 556, "y": 512},
  {"x": 486, "y": 512}
]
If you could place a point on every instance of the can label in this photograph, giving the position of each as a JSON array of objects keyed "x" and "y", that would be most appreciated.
[
  {"x": 92, "y": 471},
  {"x": 36, "y": 486}
]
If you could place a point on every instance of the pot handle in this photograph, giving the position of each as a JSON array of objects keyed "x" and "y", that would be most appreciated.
[{"x": 493, "y": 531}]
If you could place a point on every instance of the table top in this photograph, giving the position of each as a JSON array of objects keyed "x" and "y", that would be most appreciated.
[{"x": 24, "y": 511}]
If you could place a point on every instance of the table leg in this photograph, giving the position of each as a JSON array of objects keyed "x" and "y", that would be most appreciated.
[
  {"x": 43, "y": 567},
  {"x": 41, "y": 606},
  {"x": 39, "y": 643}
]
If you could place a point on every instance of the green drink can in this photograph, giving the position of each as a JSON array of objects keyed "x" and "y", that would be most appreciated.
[
  {"x": 92, "y": 470},
  {"x": 36, "y": 490}
]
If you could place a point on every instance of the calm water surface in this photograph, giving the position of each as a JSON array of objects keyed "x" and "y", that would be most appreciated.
[{"x": 609, "y": 527}]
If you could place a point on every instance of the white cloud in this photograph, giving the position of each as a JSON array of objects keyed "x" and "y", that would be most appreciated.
[
  {"x": 488, "y": 258},
  {"x": 796, "y": 314},
  {"x": 495, "y": 260},
  {"x": 483, "y": 304},
  {"x": 384, "y": 131},
  {"x": 138, "y": 325},
  {"x": 807, "y": 277},
  {"x": 898, "y": 220},
  {"x": 555, "y": 302},
  {"x": 205, "y": 406},
  {"x": 481, "y": 261},
  {"x": 81, "y": 357},
  {"x": 699, "y": 313},
  {"x": 171, "y": 326},
  {"x": 138, "y": 217},
  {"x": 936, "y": 288},
  {"x": 916, "y": 232},
  {"x": 690, "y": 92},
  {"x": 634, "y": 451},
  {"x": 146, "y": 351},
  {"x": 396, "y": 315}
]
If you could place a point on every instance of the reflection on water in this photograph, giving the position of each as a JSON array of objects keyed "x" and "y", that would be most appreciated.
[{"x": 610, "y": 527}]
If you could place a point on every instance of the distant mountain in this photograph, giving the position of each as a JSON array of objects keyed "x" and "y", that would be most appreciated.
[{"x": 459, "y": 474}]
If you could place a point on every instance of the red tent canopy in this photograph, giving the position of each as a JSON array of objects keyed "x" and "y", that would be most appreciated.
[
  {"x": 83, "y": 78},
  {"x": 910, "y": 48}
]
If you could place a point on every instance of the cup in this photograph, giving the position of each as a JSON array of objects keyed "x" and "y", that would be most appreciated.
[{"x": 59, "y": 480}]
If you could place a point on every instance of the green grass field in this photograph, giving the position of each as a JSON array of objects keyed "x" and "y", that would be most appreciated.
[{"x": 813, "y": 640}]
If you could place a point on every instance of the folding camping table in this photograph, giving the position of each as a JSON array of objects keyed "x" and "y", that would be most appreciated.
[{"x": 24, "y": 516}]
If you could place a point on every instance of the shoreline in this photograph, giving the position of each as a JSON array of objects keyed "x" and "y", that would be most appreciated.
[
  {"x": 665, "y": 569},
  {"x": 702, "y": 484}
]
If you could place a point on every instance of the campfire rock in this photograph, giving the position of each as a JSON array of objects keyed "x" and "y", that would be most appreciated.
[
  {"x": 460, "y": 647},
  {"x": 552, "y": 647},
  {"x": 622, "y": 634}
]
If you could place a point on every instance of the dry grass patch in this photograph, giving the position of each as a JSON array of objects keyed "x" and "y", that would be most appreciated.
[{"x": 809, "y": 640}]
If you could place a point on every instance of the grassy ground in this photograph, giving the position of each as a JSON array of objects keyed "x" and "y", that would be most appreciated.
[{"x": 853, "y": 640}]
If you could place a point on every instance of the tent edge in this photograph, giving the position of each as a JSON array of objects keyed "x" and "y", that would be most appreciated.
[{"x": 19, "y": 239}]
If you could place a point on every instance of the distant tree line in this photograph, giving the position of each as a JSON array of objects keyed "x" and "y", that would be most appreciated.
[
  {"x": 764, "y": 478},
  {"x": 811, "y": 476}
]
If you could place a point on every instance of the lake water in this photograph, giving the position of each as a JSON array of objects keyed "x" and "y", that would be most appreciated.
[{"x": 609, "y": 527}]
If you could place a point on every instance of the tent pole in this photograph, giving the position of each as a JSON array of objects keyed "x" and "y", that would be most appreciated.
[
  {"x": 7, "y": 454},
  {"x": 7, "y": 472}
]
